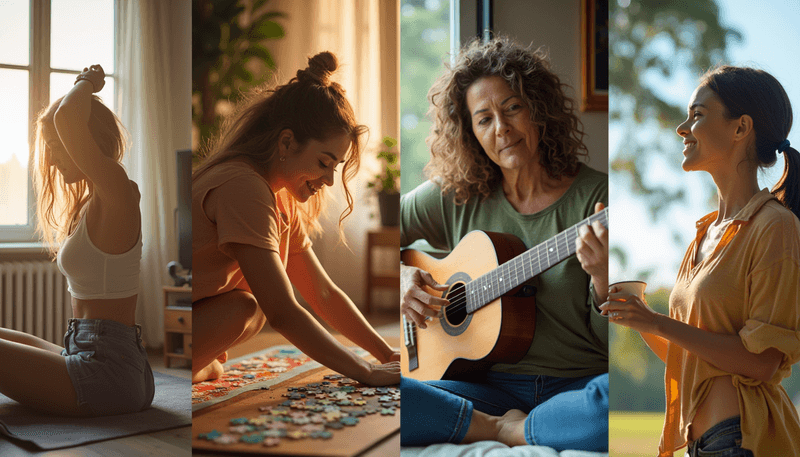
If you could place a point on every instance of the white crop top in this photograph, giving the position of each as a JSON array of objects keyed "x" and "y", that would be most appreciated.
[{"x": 92, "y": 273}]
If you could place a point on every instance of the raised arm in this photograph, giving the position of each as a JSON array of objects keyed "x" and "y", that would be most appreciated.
[
  {"x": 71, "y": 120},
  {"x": 333, "y": 305},
  {"x": 270, "y": 285}
]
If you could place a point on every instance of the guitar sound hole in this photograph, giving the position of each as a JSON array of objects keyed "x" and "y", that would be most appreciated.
[{"x": 456, "y": 313}]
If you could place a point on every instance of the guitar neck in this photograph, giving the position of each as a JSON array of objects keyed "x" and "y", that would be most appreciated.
[{"x": 515, "y": 272}]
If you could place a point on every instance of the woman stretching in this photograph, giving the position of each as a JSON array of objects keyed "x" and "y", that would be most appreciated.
[
  {"x": 88, "y": 214},
  {"x": 733, "y": 330},
  {"x": 255, "y": 198}
]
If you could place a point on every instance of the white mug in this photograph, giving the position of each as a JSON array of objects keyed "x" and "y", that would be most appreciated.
[{"x": 631, "y": 287}]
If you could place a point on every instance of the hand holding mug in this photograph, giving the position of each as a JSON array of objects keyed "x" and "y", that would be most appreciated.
[{"x": 626, "y": 306}]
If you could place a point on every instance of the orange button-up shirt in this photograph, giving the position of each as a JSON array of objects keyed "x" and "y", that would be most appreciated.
[{"x": 749, "y": 285}]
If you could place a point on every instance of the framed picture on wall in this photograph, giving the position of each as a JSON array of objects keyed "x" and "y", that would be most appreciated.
[{"x": 594, "y": 47}]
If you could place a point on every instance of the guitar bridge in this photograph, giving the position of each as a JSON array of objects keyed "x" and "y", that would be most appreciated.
[{"x": 411, "y": 344}]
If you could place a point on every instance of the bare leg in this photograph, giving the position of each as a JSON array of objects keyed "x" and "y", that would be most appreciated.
[
  {"x": 219, "y": 323},
  {"x": 37, "y": 378},
  {"x": 29, "y": 340},
  {"x": 508, "y": 429}
]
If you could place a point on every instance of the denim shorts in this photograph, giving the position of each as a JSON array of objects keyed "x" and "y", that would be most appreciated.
[
  {"x": 721, "y": 440},
  {"x": 108, "y": 367}
]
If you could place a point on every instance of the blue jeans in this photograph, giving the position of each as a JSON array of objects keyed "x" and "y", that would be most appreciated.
[
  {"x": 564, "y": 413},
  {"x": 722, "y": 440}
]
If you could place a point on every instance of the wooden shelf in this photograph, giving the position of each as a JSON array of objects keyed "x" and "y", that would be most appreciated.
[
  {"x": 386, "y": 238},
  {"x": 177, "y": 324}
]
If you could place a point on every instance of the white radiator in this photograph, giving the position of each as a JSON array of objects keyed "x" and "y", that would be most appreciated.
[{"x": 34, "y": 299}]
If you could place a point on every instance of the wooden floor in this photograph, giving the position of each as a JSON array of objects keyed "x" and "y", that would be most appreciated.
[
  {"x": 174, "y": 442},
  {"x": 387, "y": 325}
]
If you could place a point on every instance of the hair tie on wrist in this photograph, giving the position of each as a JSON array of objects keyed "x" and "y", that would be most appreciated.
[
  {"x": 783, "y": 146},
  {"x": 83, "y": 77}
]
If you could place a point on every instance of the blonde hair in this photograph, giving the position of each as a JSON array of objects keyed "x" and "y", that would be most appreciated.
[
  {"x": 312, "y": 107},
  {"x": 58, "y": 204}
]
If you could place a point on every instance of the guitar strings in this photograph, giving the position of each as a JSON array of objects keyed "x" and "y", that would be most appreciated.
[
  {"x": 456, "y": 303},
  {"x": 569, "y": 241},
  {"x": 459, "y": 302}
]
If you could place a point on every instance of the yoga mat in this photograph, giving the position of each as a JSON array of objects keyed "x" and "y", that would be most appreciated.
[
  {"x": 170, "y": 409},
  {"x": 346, "y": 441}
]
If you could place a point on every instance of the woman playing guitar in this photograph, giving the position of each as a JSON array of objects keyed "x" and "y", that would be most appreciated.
[{"x": 505, "y": 154}]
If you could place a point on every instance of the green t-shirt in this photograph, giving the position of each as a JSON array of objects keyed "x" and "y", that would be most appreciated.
[{"x": 571, "y": 338}]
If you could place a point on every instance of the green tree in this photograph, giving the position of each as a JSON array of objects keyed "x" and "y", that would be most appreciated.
[
  {"x": 425, "y": 43},
  {"x": 652, "y": 39}
]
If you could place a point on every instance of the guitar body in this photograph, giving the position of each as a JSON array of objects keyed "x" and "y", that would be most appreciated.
[{"x": 457, "y": 345}]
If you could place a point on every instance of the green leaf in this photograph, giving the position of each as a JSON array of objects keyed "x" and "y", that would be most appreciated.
[
  {"x": 266, "y": 30},
  {"x": 243, "y": 74},
  {"x": 259, "y": 52},
  {"x": 389, "y": 142}
]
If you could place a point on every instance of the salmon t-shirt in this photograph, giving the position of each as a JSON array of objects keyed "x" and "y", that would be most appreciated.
[
  {"x": 232, "y": 203},
  {"x": 750, "y": 286}
]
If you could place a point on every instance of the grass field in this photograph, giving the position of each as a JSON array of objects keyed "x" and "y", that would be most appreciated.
[{"x": 635, "y": 434}]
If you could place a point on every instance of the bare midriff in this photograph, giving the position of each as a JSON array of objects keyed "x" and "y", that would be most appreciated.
[
  {"x": 722, "y": 402},
  {"x": 122, "y": 310}
]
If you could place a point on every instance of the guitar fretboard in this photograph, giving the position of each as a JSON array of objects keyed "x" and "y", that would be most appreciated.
[{"x": 494, "y": 284}]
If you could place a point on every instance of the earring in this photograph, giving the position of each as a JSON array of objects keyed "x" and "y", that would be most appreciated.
[{"x": 283, "y": 159}]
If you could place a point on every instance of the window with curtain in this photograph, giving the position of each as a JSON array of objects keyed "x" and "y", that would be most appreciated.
[
  {"x": 425, "y": 27},
  {"x": 46, "y": 44}
]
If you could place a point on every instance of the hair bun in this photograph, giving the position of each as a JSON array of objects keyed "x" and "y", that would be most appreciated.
[{"x": 320, "y": 68}]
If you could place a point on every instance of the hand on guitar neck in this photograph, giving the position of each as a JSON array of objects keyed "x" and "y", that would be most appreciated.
[
  {"x": 417, "y": 304},
  {"x": 591, "y": 249}
]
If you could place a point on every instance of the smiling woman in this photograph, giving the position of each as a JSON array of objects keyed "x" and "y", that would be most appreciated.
[
  {"x": 255, "y": 200},
  {"x": 732, "y": 331}
]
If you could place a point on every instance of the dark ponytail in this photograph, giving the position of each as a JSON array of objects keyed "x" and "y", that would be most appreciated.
[
  {"x": 759, "y": 95},
  {"x": 788, "y": 187}
]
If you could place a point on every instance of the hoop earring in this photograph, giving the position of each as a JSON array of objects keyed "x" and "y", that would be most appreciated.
[{"x": 283, "y": 159}]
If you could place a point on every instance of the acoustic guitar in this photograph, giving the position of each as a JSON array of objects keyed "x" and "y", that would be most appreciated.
[{"x": 488, "y": 320}]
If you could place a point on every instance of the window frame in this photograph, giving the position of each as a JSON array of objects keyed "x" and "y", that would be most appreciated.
[{"x": 39, "y": 72}]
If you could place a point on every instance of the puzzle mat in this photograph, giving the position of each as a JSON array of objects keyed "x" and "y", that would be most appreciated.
[
  {"x": 170, "y": 409},
  {"x": 259, "y": 416},
  {"x": 256, "y": 371}
]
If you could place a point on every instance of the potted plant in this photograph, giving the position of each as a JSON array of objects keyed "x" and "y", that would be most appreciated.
[{"x": 387, "y": 183}]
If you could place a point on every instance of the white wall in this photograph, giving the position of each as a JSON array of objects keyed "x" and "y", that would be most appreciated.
[
  {"x": 557, "y": 25},
  {"x": 180, "y": 54}
]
